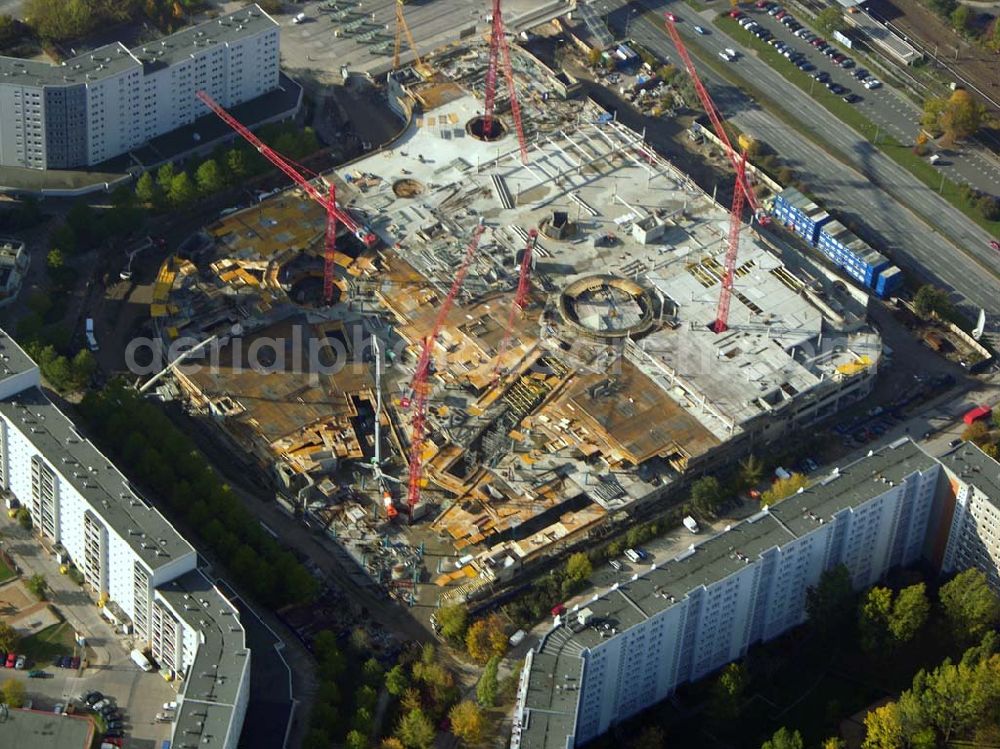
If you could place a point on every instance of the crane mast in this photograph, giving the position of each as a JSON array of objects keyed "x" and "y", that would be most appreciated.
[
  {"x": 401, "y": 28},
  {"x": 520, "y": 298},
  {"x": 500, "y": 55},
  {"x": 742, "y": 191},
  {"x": 420, "y": 387}
]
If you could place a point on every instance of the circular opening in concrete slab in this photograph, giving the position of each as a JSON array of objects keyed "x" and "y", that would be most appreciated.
[
  {"x": 607, "y": 306},
  {"x": 476, "y": 127},
  {"x": 407, "y": 187}
]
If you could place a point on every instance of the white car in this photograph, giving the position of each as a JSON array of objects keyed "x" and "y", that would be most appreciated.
[
  {"x": 726, "y": 56},
  {"x": 872, "y": 83},
  {"x": 700, "y": 30},
  {"x": 731, "y": 52}
]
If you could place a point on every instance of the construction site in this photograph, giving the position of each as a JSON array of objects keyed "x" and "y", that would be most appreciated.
[{"x": 519, "y": 323}]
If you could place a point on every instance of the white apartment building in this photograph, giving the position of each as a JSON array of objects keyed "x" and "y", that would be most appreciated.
[
  {"x": 973, "y": 501},
  {"x": 111, "y": 100},
  {"x": 632, "y": 645},
  {"x": 81, "y": 505}
]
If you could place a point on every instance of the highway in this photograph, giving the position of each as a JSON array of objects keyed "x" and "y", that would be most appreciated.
[
  {"x": 905, "y": 224},
  {"x": 888, "y": 108}
]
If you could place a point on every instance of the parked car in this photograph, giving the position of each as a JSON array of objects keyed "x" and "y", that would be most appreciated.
[
  {"x": 59, "y": 708},
  {"x": 852, "y": 98},
  {"x": 822, "y": 76},
  {"x": 37, "y": 673},
  {"x": 872, "y": 83},
  {"x": 11, "y": 660},
  {"x": 102, "y": 704},
  {"x": 115, "y": 724},
  {"x": 21, "y": 662},
  {"x": 92, "y": 698},
  {"x": 615, "y": 565},
  {"x": 847, "y": 63},
  {"x": 807, "y": 67},
  {"x": 781, "y": 14},
  {"x": 75, "y": 662},
  {"x": 838, "y": 89},
  {"x": 775, "y": 10},
  {"x": 113, "y": 733}
]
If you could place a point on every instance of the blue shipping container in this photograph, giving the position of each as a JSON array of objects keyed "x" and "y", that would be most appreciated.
[{"x": 888, "y": 281}]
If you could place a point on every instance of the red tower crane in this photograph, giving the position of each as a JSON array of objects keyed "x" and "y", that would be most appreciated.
[
  {"x": 419, "y": 387},
  {"x": 500, "y": 49},
  {"x": 520, "y": 298},
  {"x": 334, "y": 212},
  {"x": 742, "y": 191}
]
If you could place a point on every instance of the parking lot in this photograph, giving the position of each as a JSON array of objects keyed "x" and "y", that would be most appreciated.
[
  {"x": 108, "y": 669},
  {"x": 360, "y": 35},
  {"x": 828, "y": 65}
]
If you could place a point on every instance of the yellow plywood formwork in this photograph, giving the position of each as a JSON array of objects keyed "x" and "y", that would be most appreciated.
[
  {"x": 157, "y": 310},
  {"x": 855, "y": 367}
]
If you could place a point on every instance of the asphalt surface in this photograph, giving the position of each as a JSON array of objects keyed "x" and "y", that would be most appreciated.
[
  {"x": 904, "y": 224},
  {"x": 890, "y": 110}
]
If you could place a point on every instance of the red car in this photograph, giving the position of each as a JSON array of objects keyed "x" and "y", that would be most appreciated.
[
  {"x": 671, "y": 17},
  {"x": 995, "y": 245},
  {"x": 11, "y": 660},
  {"x": 736, "y": 14},
  {"x": 781, "y": 14}
]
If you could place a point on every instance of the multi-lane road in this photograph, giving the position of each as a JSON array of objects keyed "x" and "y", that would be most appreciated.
[
  {"x": 893, "y": 112},
  {"x": 902, "y": 214}
]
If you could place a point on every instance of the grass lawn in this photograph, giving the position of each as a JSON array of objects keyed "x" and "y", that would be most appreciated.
[
  {"x": 6, "y": 573},
  {"x": 51, "y": 642},
  {"x": 901, "y": 153}
]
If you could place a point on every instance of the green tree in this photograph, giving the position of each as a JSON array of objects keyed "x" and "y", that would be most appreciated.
[
  {"x": 830, "y": 20},
  {"x": 453, "y": 620},
  {"x": 594, "y": 57},
  {"x": 236, "y": 164},
  {"x": 38, "y": 587},
  {"x": 969, "y": 605},
  {"x": 578, "y": 567},
  {"x": 783, "y": 488},
  {"x": 24, "y": 518},
  {"x": 165, "y": 177},
  {"x": 416, "y": 730},
  {"x": 830, "y": 604},
  {"x": 707, "y": 496},
  {"x": 834, "y": 742},
  {"x": 488, "y": 684},
  {"x": 784, "y": 739},
  {"x": 396, "y": 681},
  {"x": 728, "y": 691},
  {"x": 993, "y": 39},
  {"x": 64, "y": 238},
  {"x": 182, "y": 191},
  {"x": 13, "y": 692},
  {"x": 960, "y": 18},
  {"x": 356, "y": 740},
  {"x": 8, "y": 637},
  {"x": 55, "y": 260},
  {"x": 146, "y": 189},
  {"x": 751, "y": 471},
  {"x": 366, "y": 698},
  {"x": 82, "y": 368},
  {"x": 930, "y": 299},
  {"x": 372, "y": 672},
  {"x": 873, "y": 618},
  {"x": 486, "y": 638},
  {"x": 962, "y": 116},
  {"x": 909, "y": 612},
  {"x": 467, "y": 722},
  {"x": 209, "y": 178},
  {"x": 884, "y": 728}
]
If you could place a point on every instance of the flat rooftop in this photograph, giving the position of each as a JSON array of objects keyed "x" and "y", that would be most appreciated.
[
  {"x": 45, "y": 730},
  {"x": 665, "y": 585},
  {"x": 107, "y": 491},
  {"x": 206, "y": 711},
  {"x": 975, "y": 467},
  {"x": 112, "y": 59}
]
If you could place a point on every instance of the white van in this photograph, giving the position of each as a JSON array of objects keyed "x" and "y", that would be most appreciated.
[
  {"x": 633, "y": 556},
  {"x": 299, "y": 18}
]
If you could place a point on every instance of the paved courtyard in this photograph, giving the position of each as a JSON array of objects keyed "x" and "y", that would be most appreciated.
[{"x": 110, "y": 669}]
